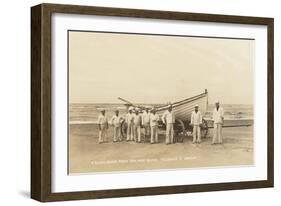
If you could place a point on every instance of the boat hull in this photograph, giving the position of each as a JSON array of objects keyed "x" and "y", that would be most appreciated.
[{"x": 183, "y": 109}]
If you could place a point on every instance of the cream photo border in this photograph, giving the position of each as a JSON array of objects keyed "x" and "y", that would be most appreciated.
[{"x": 62, "y": 182}]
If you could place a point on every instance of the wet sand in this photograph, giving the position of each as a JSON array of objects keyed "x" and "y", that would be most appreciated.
[{"x": 87, "y": 156}]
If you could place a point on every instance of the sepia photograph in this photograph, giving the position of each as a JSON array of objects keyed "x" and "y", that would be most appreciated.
[{"x": 139, "y": 102}]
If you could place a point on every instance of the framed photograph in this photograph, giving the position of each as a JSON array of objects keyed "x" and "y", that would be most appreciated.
[{"x": 130, "y": 102}]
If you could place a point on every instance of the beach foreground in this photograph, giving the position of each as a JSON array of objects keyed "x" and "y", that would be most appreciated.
[{"x": 87, "y": 156}]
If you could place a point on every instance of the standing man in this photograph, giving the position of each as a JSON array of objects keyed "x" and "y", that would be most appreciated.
[
  {"x": 168, "y": 118},
  {"x": 154, "y": 118},
  {"x": 116, "y": 121},
  {"x": 137, "y": 126},
  {"x": 103, "y": 126},
  {"x": 145, "y": 121},
  {"x": 218, "y": 117},
  {"x": 196, "y": 122},
  {"x": 130, "y": 124}
]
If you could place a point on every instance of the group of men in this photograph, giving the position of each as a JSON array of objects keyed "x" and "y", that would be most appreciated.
[{"x": 149, "y": 120}]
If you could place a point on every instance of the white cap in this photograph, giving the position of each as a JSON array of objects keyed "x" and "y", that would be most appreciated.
[
  {"x": 217, "y": 101},
  {"x": 102, "y": 109},
  {"x": 137, "y": 109},
  {"x": 196, "y": 105},
  {"x": 131, "y": 108}
]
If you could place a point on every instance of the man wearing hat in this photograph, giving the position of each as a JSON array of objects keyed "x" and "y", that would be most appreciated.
[
  {"x": 130, "y": 124},
  {"x": 116, "y": 121},
  {"x": 218, "y": 117},
  {"x": 196, "y": 121},
  {"x": 103, "y": 126},
  {"x": 145, "y": 121},
  {"x": 168, "y": 118},
  {"x": 154, "y": 118},
  {"x": 137, "y": 126}
]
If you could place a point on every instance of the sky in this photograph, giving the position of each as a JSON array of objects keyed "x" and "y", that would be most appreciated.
[{"x": 158, "y": 69}]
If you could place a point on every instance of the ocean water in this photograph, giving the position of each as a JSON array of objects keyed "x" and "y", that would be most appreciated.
[
  {"x": 83, "y": 113},
  {"x": 234, "y": 111}
]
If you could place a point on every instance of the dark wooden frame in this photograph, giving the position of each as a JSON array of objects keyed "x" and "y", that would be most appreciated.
[{"x": 41, "y": 101}]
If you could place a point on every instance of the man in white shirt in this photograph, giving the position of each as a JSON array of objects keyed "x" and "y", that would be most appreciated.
[
  {"x": 145, "y": 121},
  {"x": 130, "y": 124},
  {"x": 116, "y": 121},
  {"x": 103, "y": 126},
  {"x": 168, "y": 118},
  {"x": 154, "y": 118},
  {"x": 137, "y": 126},
  {"x": 196, "y": 121},
  {"x": 218, "y": 117}
]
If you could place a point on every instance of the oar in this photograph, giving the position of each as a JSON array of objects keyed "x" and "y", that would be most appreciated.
[
  {"x": 126, "y": 101},
  {"x": 130, "y": 103}
]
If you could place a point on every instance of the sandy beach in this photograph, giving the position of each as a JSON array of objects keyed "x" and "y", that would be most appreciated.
[{"x": 87, "y": 156}]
